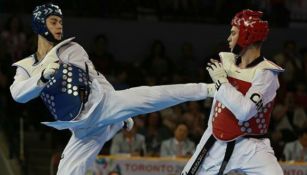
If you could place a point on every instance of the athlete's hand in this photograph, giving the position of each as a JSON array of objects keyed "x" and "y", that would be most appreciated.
[
  {"x": 217, "y": 73},
  {"x": 128, "y": 124},
  {"x": 211, "y": 90},
  {"x": 49, "y": 71}
]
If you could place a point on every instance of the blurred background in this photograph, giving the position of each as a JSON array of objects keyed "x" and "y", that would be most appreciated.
[{"x": 150, "y": 42}]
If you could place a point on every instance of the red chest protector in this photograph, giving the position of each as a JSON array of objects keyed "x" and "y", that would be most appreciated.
[{"x": 225, "y": 125}]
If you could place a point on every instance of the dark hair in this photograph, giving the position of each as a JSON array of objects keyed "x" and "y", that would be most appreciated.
[{"x": 181, "y": 123}]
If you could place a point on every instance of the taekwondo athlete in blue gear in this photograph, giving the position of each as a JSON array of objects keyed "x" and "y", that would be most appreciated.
[{"x": 80, "y": 98}]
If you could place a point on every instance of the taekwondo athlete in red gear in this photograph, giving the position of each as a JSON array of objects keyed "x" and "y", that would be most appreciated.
[
  {"x": 80, "y": 98},
  {"x": 246, "y": 85}
]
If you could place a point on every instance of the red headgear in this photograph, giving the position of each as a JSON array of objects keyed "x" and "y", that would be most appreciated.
[{"x": 251, "y": 27}]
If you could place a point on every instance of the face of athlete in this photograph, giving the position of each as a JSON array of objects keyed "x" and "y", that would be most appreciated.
[
  {"x": 233, "y": 37},
  {"x": 55, "y": 26}
]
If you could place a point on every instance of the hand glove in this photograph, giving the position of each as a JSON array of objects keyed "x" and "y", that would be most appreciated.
[
  {"x": 217, "y": 73},
  {"x": 49, "y": 71},
  {"x": 128, "y": 124}
]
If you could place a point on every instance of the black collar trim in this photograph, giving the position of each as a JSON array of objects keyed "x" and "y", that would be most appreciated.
[
  {"x": 253, "y": 63},
  {"x": 35, "y": 58}
]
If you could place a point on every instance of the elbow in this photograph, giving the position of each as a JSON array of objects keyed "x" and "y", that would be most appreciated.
[
  {"x": 242, "y": 116},
  {"x": 17, "y": 97},
  {"x": 246, "y": 113}
]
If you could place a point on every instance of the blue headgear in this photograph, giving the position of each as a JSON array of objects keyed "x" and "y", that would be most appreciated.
[
  {"x": 39, "y": 16},
  {"x": 66, "y": 92}
]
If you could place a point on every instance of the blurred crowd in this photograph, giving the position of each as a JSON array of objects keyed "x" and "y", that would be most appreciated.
[
  {"x": 279, "y": 12},
  {"x": 171, "y": 132}
]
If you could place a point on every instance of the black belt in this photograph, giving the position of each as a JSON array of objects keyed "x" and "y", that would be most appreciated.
[
  {"x": 201, "y": 156},
  {"x": 263, "y": 136},
  {"x": 228, "y": 153},
  {"x": 229, "y": 149}
]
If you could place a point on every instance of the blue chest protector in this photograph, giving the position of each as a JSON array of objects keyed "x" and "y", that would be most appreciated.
[{"x": 66, "y": 93}]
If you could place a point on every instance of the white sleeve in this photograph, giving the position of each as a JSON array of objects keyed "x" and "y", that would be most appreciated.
[
  {"x": 262, "y": 91},
  {"x": 76, "y": 55},
  {"x": 24, "y": 87}
]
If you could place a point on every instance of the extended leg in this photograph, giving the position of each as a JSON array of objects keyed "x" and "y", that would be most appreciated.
[{"x": 119, "y": 105}]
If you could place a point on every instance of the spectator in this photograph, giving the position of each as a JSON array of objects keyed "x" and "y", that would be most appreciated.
[
  {"x": 287, "y": 120},
  {"x": 170, "y": 118},
  {"x": 280, "y": 129},
  {"x": 195, "y": 121},
  {"x": 157, "y": 63},
  {"x": 297, "y": 150},
  {"x": 301, "y": 94},
  {"x": 295, "y": 114},
  {"x": 188, "y": 65},
  {"x": 129, "y": 142},
  {"x": 102, "y": 58},
  {"x": 120, "y": 81},
  {"x": 178, "y": 146},
  {"x": 14, "y": 38},
  {"x": 154, "y": 133},
  {"x": 290, "y": 60}
]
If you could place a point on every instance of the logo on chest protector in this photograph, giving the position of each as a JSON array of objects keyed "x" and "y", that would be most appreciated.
[{"x": 256, "y": 98}]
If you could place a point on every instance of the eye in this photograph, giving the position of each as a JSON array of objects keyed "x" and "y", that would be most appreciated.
[{"x": 52, "y": 22}]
